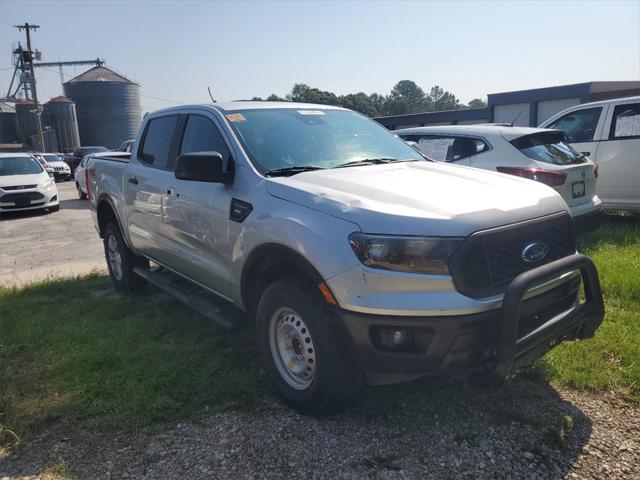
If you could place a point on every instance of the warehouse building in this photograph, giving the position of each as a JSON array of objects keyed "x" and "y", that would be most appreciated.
[{"x": 524, "y": 108}]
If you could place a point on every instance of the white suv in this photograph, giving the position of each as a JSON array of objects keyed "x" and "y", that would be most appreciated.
[
  {"x": 609, "y": 133},
  {"x": 533, "y": 153},
  {"x": 25, "y": 185}
]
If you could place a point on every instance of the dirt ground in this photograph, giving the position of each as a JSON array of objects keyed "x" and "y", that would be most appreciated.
[{"x": 37, "y": 245}]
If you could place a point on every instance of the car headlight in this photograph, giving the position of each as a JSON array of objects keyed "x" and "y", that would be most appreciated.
[
  {"x": 405, "y": 253},
  {"x": 46, "y": 185}
]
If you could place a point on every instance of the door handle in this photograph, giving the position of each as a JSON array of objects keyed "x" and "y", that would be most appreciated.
[
  {"x": 171, "y": 191},
  {"x": 133, "y": 180}
]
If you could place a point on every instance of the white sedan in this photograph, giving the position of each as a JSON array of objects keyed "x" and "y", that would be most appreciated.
[
  {"x": 537, "y": 154},
  {"x": 25, "y": 185}
]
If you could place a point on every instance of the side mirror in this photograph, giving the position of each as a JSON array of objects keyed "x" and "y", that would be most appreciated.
[{"x": 202, "y": 167}]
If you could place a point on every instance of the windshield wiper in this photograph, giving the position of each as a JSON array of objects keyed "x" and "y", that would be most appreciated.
[
  {"x": 373, "y": 161},
  {"x": 287, "y": 171}
]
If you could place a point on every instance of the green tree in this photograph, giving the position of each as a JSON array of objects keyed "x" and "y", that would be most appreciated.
[
  {"x": 442, "y": 100},
  {"x": 406, "y": 97},
  {"x": 477, "y": 103},
  {"x": 360, "y": 102},
  {"x": 275, "y": 98},
  {"x": 304, "y": 93}
]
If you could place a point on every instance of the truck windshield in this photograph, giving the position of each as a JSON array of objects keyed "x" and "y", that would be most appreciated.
[
  {"x": 294, "y": 138},
  {"x": 548, "y": 147},
  {"x": 19, "y": 166}
]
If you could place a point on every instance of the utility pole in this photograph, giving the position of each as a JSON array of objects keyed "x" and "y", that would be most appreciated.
[{"x": 30, "y": 54}]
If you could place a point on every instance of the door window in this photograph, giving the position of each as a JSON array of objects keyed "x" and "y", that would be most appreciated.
[
  {"x": 157, "y": 141},
  {"x": 625, "y": 122},
  {"x": 442, "y": 148},
  {"x": 579, "y": 126},
  {"x": 201, "y": 135}
]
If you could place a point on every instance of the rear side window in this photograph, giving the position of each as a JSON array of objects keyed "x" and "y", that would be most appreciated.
[
  {"x": 625, "y": 122},
  {"x": 579, "y": 126},
  {"x": 442, "y": 148},
  {"x": 157, "y": 141},
  {"x": 201, "y": 135},
  {"x": 548, "y": 147}
]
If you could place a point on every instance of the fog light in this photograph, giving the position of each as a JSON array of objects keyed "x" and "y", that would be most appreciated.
[{"x": 400, "y": 337}]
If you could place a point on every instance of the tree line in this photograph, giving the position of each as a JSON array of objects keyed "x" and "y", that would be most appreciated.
[{"x": 405, "y": 97}]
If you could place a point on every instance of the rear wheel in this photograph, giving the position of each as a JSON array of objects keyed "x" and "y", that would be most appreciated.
[
  {"x": 306, "y": 351},
  {"x": 121, "y": 261},
  {"x": 81, "y": 194}
]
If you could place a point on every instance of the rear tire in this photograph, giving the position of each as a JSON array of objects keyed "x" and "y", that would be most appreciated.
[
  {"x": 121, "y": 261},
  {"x": 308, "y": 354},
  {"x": 81, "y": 194}
]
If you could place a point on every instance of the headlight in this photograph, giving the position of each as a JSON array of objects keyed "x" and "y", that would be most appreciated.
[
  {"x": 405, "y": 254},
  {"x": 46, "y": 185}
]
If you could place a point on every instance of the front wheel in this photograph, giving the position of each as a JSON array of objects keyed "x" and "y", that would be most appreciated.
[
  {"x": 308, "y": 354},
  {"x": 121, "y": 261}
]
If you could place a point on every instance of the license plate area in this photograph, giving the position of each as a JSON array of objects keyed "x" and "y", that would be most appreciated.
[
  {"x": 23, "y": 201},
  {"x": 578, "y": 189}
]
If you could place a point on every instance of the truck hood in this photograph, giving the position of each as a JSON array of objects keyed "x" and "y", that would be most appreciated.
[
  {"x": 419, "y": 198},
  {"x": 15, "y": 180}
]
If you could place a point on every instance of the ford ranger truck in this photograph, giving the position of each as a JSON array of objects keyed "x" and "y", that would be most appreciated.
[{"x": 360, "y": 260}]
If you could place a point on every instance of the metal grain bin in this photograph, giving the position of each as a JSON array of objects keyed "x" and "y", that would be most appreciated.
[
  {"x": 8, "y": 123},
  {"x": 107, "y": 107},
  {"x": 60, "y": 114},
  {"x": 26, "y": 120}
]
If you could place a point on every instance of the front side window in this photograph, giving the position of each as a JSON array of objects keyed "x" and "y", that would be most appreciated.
[
  {"x": 19, "y": 166},
  {"x": 157, "y": 141},
  {"x": 579, "y": 126},
  {"x": 443, "y": 148},
  {"x": 625, "y": 122},
  {"x": 548, "y": 147},
  {"x": 201, "y": 135},
  {"x": 282, "y": 138}
]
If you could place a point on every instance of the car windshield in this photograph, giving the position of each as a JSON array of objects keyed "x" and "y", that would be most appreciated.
[
  {"x": 297, "y": 138},
  {"x": 51, "y": 158},
  {"x": 19, "y": 166},
  {"x": 548, "y": 147}
]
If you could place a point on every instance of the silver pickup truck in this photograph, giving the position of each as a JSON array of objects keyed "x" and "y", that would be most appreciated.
[{"x": 359, "y": 259}]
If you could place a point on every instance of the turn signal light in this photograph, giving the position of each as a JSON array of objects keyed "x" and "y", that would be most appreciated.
[{"x": 553, "y": 179}]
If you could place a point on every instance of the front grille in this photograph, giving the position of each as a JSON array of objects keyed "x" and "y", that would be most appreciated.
[
  {"x": 19, "y": 187},
  {"x": 488, "y": 260},
  {"x": 12, "y": 197}
]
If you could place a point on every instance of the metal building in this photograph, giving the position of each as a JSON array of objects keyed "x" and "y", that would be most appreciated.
[
  {"x": 26, "y": 120},
  {"x": 60, "y": 114},
  {"x": 107, "y": 106},
  {"x": 8, "y": 123}
]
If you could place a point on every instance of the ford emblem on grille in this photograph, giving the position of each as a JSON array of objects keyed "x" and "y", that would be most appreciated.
[{"x": 534, "y": 252}]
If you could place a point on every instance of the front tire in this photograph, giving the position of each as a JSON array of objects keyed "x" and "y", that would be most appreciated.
[
  {"x": 306, "y": 351},
  {"x": 121, "y": 261}
]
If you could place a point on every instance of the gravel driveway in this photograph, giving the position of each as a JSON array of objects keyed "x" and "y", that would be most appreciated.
[
  {"x": 38, "y": 245},
  {"x": 524, "y": 430}
]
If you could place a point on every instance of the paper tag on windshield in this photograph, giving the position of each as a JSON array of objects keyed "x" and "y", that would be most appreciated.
[
  {"x": 235, "y": 117},
  {"x": 310, "y": 112}
]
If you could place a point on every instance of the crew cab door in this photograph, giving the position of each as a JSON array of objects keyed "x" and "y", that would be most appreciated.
[
  {"x": 619, "y": 156},
  {"x": 145, "y": 181},
  {"x": 197, "y": 213}
]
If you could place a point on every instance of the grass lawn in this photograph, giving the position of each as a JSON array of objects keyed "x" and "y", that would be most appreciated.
[{"x": 76, "y": 349}]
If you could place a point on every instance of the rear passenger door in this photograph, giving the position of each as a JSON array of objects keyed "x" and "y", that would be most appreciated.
[
  {"x": 619, "y": 156},
  {"x": 197, "y": 213},
  {"x": 145, "y": 182}
]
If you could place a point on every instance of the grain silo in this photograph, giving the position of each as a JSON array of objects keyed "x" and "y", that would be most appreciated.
[
  {"x": 107, "y": 106},
  {"x": 8, "y": 123},
  {"x": 26, "y": 120},
  {"x": 60, "y": 114}
]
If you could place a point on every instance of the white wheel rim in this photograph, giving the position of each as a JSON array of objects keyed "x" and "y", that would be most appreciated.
[
  {"x": 115, "y": 259},
  {"x": 292, "y": 348}
]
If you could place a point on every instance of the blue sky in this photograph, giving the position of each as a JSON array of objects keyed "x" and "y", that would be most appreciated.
[{"x": 175, "y": 49}]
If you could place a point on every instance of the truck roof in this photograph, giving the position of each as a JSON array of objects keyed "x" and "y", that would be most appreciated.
[{"x": 226, "y": 107}]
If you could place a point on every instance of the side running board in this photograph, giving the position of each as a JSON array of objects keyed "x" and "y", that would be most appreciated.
[{"x": 196, "y": 297}]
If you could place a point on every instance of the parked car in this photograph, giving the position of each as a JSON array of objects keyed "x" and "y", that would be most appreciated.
[
  {"x": 609, "y": 133},
  {"x": 536, "y": 154},
  {"x": 357, "y": 257},
  {"x": 47, "y": 167},
  {"x": 25, "y": 184},
  {"x": 126, "y": 146},
  {"x": 79, "y": 154},
  {"x": 80, "y": 173},
  {"x": 61, "y": 170}
]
